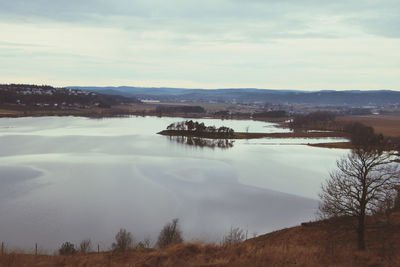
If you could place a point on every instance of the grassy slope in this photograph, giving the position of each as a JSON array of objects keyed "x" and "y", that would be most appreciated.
[{"x": 326, "y": 243}]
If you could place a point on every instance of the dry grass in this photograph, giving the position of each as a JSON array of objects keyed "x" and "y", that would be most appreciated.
[
  {"x": 6, "y": 112},
  {"x": 388, "y": 125},
  {"x": 324, "y": 243},
  {"x": 341, "y": 145}
]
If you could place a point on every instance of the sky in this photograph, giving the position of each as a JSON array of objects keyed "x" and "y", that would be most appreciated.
[{"x": 275, "y": 44}]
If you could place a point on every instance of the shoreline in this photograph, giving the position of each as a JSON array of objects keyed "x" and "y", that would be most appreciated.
[
  {"x": 117, "y": 113},
  {"x": 244, "y": 135},
  {"x": 291, "y": 135}
]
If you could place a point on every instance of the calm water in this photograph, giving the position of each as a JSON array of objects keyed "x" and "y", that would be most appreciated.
[{"x": 67, "y": 179}]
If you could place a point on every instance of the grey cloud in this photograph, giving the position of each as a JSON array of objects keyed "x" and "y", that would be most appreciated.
[
  {"x": 383, "y": 26},
  {"x": 246, "y": 19}
]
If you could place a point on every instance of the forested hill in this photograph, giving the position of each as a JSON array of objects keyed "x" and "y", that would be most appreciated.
[
  {"x": 350, "y": 97},
  {"x": 44, "y": 95}
]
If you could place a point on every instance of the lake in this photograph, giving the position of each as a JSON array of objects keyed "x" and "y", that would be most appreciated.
[{"x": 72, "y": 178}]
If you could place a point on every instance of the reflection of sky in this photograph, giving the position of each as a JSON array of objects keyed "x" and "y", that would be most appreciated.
[
  {"x": 66, "y": 182},
  {"x": 117, "y": 126}
]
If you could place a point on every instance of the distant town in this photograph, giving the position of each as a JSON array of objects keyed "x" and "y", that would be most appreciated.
[{"x": 38, "y": 100}]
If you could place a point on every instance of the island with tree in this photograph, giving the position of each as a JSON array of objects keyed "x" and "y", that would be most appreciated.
[
  {"x": 195, "y": 129},
  {"x": 190, "y": 128}
]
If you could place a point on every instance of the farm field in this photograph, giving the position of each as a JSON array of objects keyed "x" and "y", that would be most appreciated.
[{"x": 388, "y": 125}]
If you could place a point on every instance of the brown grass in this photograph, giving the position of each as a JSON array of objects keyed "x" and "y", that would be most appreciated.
[
  {"x": 240, "y": 135},
  {"x": 323, "y": 243},
  {"x": 341, "y": 145},
  {"x": 388, "y": 125},
  {"x": 6, "y": 112}
]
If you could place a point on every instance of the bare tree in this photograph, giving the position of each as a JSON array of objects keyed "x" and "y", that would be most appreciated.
[
  {"x": 124, "y": 240},
  {"x": 144, "y": 244},
  {"x": 235, "y": 235},
  {"x": 85, "y": 246},
  {"x": 359, "y": 186},
  {"x": 170, "y": 234}
]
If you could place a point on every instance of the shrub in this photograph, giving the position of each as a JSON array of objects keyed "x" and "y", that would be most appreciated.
[
  {"x": 85, "y": 246},
  {"x": 235, "y": 235},
  {"x": 144, "y": 244},
  {"x": 124, "y": 240},
  {"x": 170, "y": 234},
  {"x": 67, "y": 248}
]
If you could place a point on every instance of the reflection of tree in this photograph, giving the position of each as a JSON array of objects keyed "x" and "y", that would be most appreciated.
[{"x": 202, "y": 142}]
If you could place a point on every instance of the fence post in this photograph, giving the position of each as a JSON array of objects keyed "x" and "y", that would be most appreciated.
[
  {"x": 36, "y": 249},
  {"x": 98, "y": 248},
  {"x": 2, "y": 248}
]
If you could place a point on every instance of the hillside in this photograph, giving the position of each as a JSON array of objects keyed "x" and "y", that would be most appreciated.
[
  {"x": 47, "y": 96},
  {"x": 323, "y": 243},
  {"x": 326, "y": 97}
]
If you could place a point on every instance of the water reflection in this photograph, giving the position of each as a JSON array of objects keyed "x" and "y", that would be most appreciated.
[
  {"x": 202, "y": 142},
  {"x": 65, "y": 178}
]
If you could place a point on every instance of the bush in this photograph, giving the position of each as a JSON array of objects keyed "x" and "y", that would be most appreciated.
[
  {"x": 85, "y": 246},
  {"x": 235, "y": 235},
  {"x": 170, "y": 234},
  {"x": 124, "y": 240},
  {"x": 144, "y": 244},
  {"x": 67, "y": 248}
]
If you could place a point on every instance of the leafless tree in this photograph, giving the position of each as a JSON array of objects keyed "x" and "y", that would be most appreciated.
[
  {"x": 235, "y": 235},
  {"x": 145, "y": 243},
  {"x": 359, "y": 186},
  {"x": 124, "y": 240},
  {"x": 170, "y": 234},
  {"x": 85, "y": 246}
]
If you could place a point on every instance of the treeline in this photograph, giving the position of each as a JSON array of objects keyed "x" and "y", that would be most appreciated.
[
  {"x": 170, "y": 234},
  {"x": 179, "y": 109},
  {"x": 200, "y": 129},
  {"x": 315, "y": 120},
  {"x": 270, "y": 114},
  {"x": 360, "y": 135}
]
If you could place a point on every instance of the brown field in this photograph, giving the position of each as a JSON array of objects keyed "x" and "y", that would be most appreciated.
[
  {"x": 342, "y": 145},
  {"x": 323, "y": 243},
  {"x": 388, "y": 125},
  {"x": 241, "y": 135},
  {"x": 5, "y": 112}
]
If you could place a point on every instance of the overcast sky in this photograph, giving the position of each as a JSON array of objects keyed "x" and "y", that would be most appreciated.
[{"x": 283, "y": 44}]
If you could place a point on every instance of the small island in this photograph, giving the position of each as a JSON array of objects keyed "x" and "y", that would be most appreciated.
[{"x": 195, "y": 129}]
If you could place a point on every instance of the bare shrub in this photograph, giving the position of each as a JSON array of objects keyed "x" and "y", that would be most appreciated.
[
  {"x": 124, "y": 240},
  {"x": 235, "y": 235},
  {"x": 144, "y": 244},
  {"x": 170, "y": 234},
  {"x": 85, "y": 246},
  {"x": 67, "y": 248}
]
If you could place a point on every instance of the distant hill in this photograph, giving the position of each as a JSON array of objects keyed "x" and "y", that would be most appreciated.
[
  {"x": 251, "y": 95},
  {"x": 43, "y": 95}
]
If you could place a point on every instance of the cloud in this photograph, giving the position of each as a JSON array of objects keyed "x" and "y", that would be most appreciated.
[
  {"x": 210, "y": 43},
  {"x": 279, "y": 18}
]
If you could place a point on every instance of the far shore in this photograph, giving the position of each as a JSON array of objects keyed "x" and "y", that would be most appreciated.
[{"x": 245, "y": 135}]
